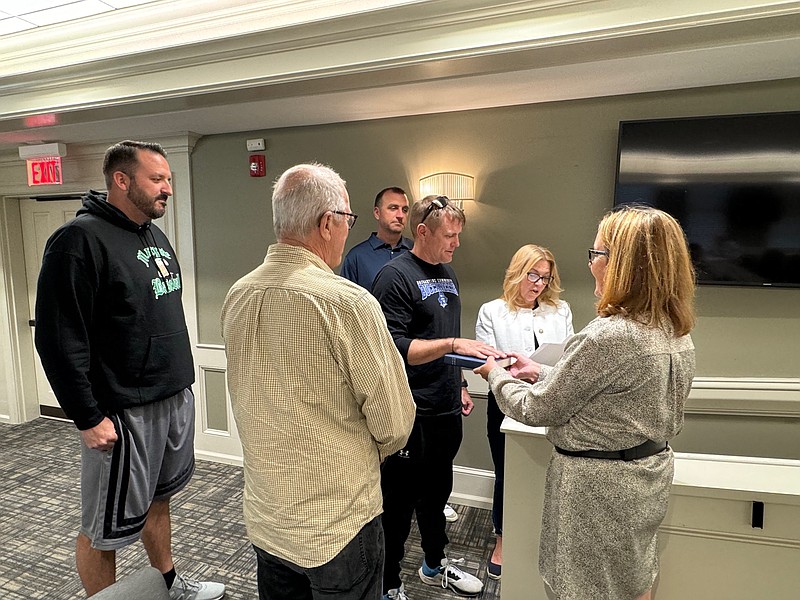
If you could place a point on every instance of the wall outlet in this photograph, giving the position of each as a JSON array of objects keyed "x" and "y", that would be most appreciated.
[{"x": 256, "y": 144}]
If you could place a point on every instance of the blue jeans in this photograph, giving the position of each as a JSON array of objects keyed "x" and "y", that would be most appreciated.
[{"x": 353, "y": 574}]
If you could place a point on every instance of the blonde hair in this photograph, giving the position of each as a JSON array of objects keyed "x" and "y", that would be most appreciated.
[
  {"x": 649, "y": 276},
  {"x": 521, "y": 263}
]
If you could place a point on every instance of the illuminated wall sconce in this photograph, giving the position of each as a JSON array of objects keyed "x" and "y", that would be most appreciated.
[{"x": 456, "y": 186}]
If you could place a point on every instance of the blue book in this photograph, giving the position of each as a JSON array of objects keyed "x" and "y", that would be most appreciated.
[{"x": 472, "y": 362}]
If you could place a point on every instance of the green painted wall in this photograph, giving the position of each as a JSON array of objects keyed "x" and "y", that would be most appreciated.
[{"x": 544, "y": 174}]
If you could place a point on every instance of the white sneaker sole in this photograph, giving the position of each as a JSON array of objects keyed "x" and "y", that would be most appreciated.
[{"x": 437, "y": 581}]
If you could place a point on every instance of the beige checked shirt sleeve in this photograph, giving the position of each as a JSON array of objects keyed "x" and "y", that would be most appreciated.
[{"x": 320, "y": 397}]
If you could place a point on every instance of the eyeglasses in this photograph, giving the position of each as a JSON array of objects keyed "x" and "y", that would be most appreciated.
[
  {"x": 439, "y": 202},
  {"x": 595, "y": 253},
  {"x": 351, "y": 218},
  {"x": 536, "y": 278}
]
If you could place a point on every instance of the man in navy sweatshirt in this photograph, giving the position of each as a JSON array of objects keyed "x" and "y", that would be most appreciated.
[
  {"x": 420, "y": 297},
  {"x": 112, "y": 337}
]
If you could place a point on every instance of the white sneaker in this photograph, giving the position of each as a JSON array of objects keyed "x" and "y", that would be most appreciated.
[
  {"x": 396, "y": 594},
  {"x": 450, "y": 514},
  {"x": 188, "y": 589},
  {"x": 450, "y": 576}
]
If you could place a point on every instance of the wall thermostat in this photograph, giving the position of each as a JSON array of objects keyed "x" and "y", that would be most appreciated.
[{"x": 256, "y": 144}]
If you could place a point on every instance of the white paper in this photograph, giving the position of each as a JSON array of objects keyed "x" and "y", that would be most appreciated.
[{"x": 548, "y": 354}]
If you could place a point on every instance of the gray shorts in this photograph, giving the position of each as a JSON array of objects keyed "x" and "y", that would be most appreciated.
[{"x": 152, "y": 460}]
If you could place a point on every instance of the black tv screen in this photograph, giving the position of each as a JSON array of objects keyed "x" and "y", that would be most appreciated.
[{"x": 732, "y": 182}]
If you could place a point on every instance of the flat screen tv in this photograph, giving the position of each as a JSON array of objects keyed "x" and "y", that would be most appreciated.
[{"x": 733, "y": 183}]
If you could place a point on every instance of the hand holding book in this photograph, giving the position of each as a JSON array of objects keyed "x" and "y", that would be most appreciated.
[{"x": 473, "y": 362}]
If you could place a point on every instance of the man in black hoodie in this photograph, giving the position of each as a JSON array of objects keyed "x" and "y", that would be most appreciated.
[{"x": 112, "y": 336}]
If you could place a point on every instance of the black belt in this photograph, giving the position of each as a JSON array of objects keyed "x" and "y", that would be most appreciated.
[{"x": 648, "y": 448}]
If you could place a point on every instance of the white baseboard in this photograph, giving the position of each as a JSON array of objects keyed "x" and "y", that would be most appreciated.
[
  {"x": 472, "y": 487},
  {"x": 228, "y": 459}
]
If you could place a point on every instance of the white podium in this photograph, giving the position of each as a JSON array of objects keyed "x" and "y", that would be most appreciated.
[{"x": 710, "y": 544}]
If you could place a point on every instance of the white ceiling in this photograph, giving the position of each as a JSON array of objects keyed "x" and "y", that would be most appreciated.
[
  {"x": 19, "y": 15},
  {"x": 446, "y": 85}
]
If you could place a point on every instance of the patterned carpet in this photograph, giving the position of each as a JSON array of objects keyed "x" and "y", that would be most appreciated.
[{"x": 39, "y": 514}]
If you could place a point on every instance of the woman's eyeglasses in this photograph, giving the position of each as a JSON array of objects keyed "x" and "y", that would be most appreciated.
[
  {"x": 351, "y": 218},
  {"x": 536, "y": 278},
  {"x": 595, "y": 253},
  {"x": 437, "y": 203}
]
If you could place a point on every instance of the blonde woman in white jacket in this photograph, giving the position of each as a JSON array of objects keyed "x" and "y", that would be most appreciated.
[{"x": 528, "y": 314}]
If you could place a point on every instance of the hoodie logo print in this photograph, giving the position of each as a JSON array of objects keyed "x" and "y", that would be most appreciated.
[
  {"x": 145, "y": 254},
  {"x": 165, "y": 283}
]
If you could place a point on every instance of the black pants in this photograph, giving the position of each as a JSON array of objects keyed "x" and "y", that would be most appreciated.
[
  {"x": 419, "y": 478},
  {"x": 353, "y": 574},
  {"x": 497, "y": 446}
]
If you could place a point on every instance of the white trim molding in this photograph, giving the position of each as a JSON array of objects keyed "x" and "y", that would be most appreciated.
[
  {"x": 117, "y": 66},
  {"x": 745, "y": 396},
  {"x": 472, "y": 487}
]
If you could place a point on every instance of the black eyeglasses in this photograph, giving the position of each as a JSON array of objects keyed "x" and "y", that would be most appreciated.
[
  {"x": 595, "y": 253},
  {"x": 439, "y": 202},
  {"x": 351, "y": 218},
  {"x": 536, "y": 278}
]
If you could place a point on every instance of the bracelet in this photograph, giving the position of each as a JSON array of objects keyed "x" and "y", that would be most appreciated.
[{"x": 453, "y": 346}]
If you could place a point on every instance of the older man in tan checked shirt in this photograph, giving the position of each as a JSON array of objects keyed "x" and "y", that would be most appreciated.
[{"x": 320, "y": 397}]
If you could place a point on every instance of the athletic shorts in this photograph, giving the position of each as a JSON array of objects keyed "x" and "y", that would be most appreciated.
[{"x": 152, "y": 459}]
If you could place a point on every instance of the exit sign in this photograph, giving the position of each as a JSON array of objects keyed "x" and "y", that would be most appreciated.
[{"x": 44, "y": 171}]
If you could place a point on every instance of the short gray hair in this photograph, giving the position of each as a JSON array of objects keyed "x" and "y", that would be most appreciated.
[{"x": 302, "y": 195}]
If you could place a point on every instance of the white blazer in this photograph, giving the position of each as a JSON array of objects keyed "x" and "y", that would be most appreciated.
[{"x": 513, "y": 331}]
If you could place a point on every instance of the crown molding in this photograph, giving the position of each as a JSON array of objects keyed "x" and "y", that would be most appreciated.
[
  {"x": 221, "y": 53},
  {"x": 260, "y": 43}
]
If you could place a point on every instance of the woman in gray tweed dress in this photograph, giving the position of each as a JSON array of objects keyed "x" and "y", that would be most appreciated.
[{"x": 611, "y": 404}]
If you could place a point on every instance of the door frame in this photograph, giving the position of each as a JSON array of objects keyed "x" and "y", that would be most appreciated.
[
  {"x": 19, "y": 402},
  {"x": 59, "y": 209}
]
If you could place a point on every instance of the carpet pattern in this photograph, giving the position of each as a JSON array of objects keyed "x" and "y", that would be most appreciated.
[{"x": 40, "y": 508}]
